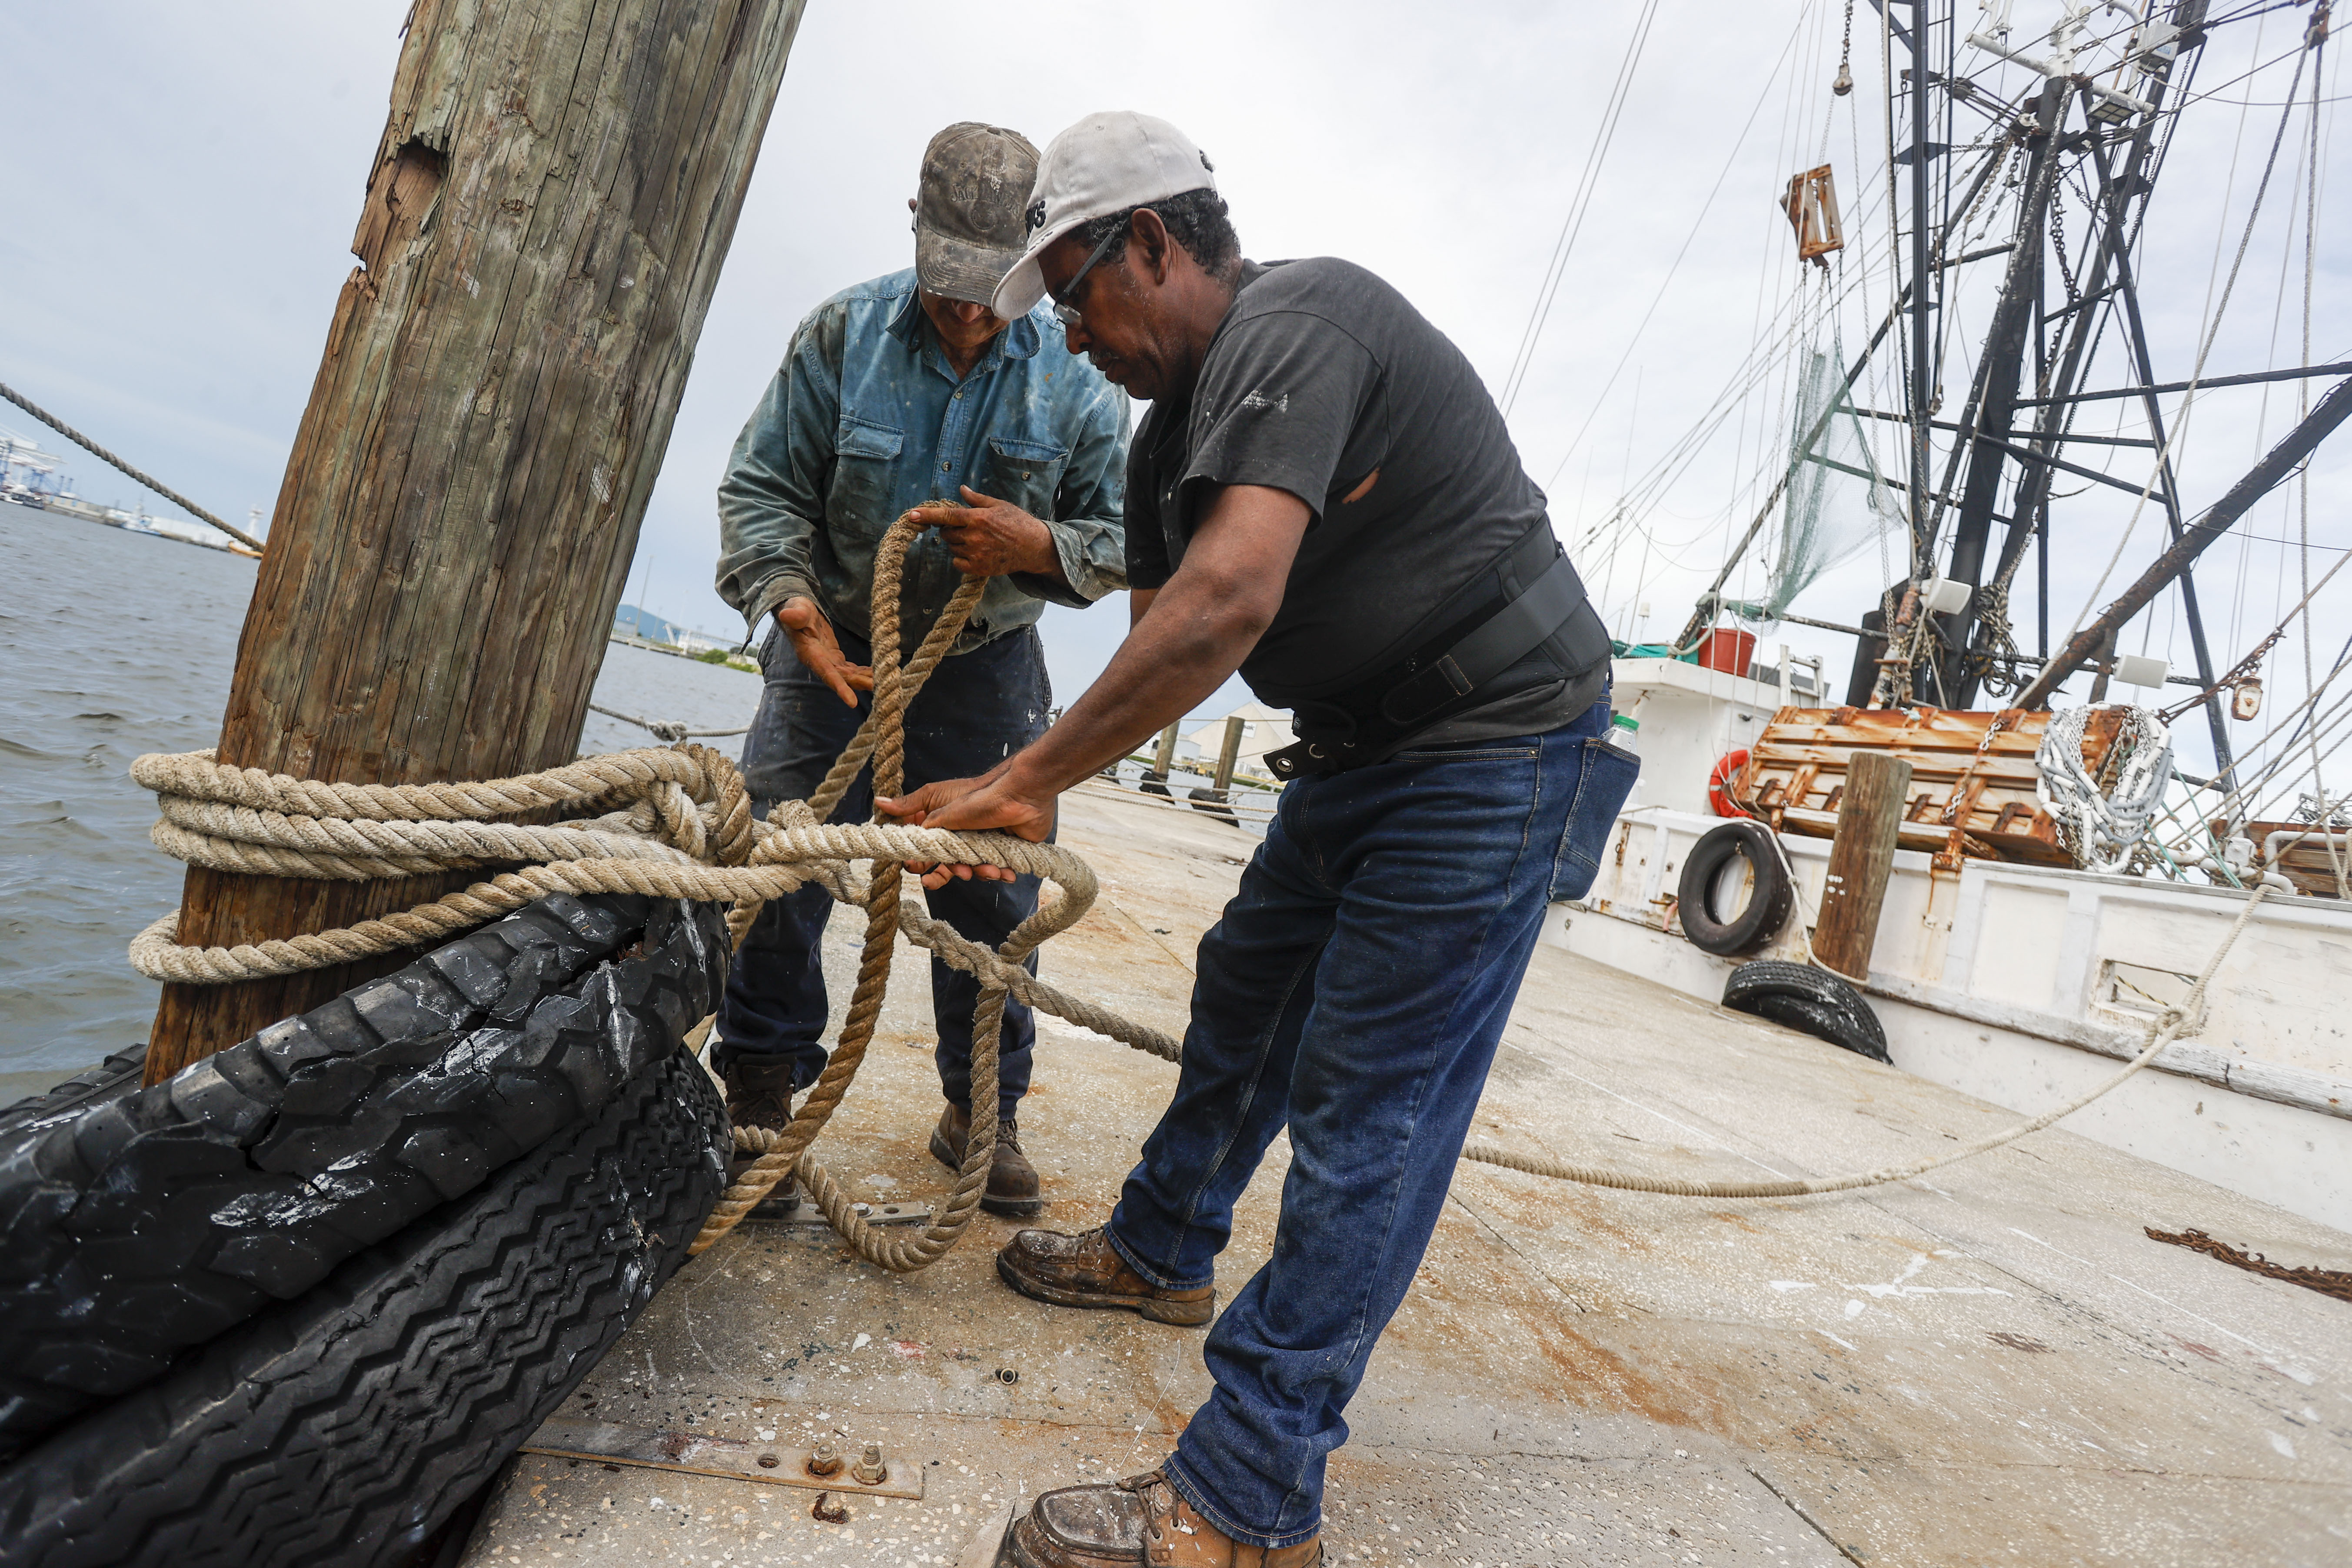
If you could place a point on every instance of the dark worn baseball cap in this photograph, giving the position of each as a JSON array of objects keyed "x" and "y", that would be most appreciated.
[{"x": 971, "y": 210}]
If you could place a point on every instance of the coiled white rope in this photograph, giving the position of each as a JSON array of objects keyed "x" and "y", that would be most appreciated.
[{"x": 2102, "y": 827}]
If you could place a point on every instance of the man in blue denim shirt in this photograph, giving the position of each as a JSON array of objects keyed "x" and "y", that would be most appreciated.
[
  {"x": 1325, "y": 497},
  {"x": 901, "y": 391}
]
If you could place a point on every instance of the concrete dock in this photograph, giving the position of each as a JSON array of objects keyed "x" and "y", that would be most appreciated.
[{"x": 1992, "y": 1364}]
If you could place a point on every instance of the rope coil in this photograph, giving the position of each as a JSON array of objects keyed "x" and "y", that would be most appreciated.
[
  {"x": 2102, "y": 820},
  {"x": 680, "y": 824}
]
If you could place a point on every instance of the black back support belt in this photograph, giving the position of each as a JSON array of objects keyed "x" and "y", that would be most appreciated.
[{"x": 1546, "y": 604}]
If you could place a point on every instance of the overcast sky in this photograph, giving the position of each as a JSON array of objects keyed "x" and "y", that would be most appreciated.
[{"x": 183, "y": 183}]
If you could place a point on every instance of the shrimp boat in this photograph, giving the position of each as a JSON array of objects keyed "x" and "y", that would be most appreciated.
[{"x": 2057, "y": 880}]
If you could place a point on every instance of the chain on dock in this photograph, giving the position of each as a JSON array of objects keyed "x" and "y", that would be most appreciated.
[{"x": 680, "y": 825}]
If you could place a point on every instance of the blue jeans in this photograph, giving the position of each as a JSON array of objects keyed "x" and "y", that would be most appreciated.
[
  {"x": 1354, "y": 990},
  {"x": 976, "y": 709}
]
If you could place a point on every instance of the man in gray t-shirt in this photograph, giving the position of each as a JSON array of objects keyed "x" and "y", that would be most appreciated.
[{"x": 1324, "y": 498}]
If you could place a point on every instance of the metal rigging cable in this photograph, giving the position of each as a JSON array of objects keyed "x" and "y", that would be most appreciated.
[
  {"x": 78, "y": 439},
  {"x": 2188, "y": 399},
  {"x": 1578, "y": 203}
]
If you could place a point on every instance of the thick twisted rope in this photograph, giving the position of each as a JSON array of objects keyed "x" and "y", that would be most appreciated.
[
  {"x": 884, "y": 736},
  {"x": 683, "y": 828}
]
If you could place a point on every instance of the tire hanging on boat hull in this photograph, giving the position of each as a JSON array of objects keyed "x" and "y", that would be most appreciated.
[{"x": 1771, "y": 896}]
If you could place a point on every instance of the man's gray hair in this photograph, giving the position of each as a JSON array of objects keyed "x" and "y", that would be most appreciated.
[{"x": 1197, "y": 220}]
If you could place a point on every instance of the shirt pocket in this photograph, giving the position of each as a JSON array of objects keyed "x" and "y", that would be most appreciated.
[
  {"x": 1603, "y": 782},
  {"x": 865, "y": 474},
  {"x": 1026, "y": 473}
]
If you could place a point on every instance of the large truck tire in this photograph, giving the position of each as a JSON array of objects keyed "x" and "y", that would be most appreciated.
[
  {"x": 137, "y": 1223},
  {"x": 345, "y": 1427}
]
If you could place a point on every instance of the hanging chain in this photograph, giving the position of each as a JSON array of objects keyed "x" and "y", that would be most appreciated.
[
  {"x": 2058, "y": 246},
  {"x": 1844, "y": 83}
]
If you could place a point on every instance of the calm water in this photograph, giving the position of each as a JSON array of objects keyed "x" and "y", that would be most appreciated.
[{"x": 111, "y": 644}]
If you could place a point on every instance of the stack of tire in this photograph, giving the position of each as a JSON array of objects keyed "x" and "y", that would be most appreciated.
[{"x": 296, "y": 1303}]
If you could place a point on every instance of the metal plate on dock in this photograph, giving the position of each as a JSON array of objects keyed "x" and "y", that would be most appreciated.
[
  {"x": 700, "y": 1454},
  {"x": 872, "y": 1213}
]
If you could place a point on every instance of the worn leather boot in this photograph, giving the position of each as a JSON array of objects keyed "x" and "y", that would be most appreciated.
[
  {"x": 1138, "y": 1522},
  {"x": 1086, "y": 1270},
  {"x": 1011, "y": 1179},
  {"x": 761, "y": 1095}
]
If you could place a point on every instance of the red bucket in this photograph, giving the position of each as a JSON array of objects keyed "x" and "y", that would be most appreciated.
[{"x": 1727, "y": 649}]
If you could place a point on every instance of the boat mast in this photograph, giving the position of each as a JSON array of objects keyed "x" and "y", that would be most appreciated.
[
  {"x": 1994, "y": 407},
  {"x": 1924, "y": 288}
]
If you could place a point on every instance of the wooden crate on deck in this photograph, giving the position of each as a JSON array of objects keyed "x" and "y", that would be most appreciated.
[{"x": 1972, "y": 776}]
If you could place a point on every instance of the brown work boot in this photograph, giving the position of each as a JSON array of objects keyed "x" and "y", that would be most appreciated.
[
  {"x": 1138, "y": 1522},
  {"x": 1011, "y": 1179},
  {"x": 761, "y": 1095},
  {"x": 1086, "y": 1270}
]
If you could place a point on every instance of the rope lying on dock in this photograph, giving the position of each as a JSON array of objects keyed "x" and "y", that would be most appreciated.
[
  {"x": 682, "y": 828},
  {"x": 2167, "y": 1025}
]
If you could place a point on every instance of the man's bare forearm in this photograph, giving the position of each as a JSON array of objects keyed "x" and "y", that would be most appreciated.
[
  {"x": 1189, "y": 635},
  {"x": 1176, "y": 656}
]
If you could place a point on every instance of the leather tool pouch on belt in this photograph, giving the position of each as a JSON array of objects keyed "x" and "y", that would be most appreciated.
[{"x": 1522, "y": 622}]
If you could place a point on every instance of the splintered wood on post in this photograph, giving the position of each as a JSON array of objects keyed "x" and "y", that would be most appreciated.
[{"x": 555, "y": 189}]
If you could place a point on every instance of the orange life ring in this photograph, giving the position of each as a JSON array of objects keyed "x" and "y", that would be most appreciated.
[{"x": 1718, "y": 784}]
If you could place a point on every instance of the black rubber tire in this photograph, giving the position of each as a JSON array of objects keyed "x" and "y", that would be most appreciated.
[
  {"x": 1769, "y": 900},
  {"x": 1810, "y": 1001},
  {"x": 344, "y": 1427},
  {"x": 135, "y": 1223},
  {"x": 112, "y": 1079}
]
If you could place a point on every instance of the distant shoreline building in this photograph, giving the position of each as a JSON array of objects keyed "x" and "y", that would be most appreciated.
[{"x": 30, "y": 477}]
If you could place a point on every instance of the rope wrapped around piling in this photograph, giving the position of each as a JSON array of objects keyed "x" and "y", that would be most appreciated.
[{"x": 678, "y": 824}]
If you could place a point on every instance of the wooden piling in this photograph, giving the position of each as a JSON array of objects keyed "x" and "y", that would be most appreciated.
[
  {"x": 1229, "y": 755},
  {"x": 556, "y": 187},
  {"x": 1165, "y": 759},
  {"x": 1861, "y": 859}
]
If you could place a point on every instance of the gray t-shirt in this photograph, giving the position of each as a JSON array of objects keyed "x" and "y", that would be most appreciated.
[{"x": 1323, "y": 381}]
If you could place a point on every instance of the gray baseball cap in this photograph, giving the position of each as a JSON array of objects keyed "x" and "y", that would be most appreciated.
[
  {"x": 969, "y": 209},
  {"x": 1105, "y": 163}
]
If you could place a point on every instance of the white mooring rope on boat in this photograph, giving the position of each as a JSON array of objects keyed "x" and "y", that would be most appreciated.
[{"x": 682, "y": 828}]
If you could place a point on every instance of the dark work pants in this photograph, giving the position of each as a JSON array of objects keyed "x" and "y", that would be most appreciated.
[
  {"x": 1354, "y": 992},
  {"x": 977, "y": 708}
]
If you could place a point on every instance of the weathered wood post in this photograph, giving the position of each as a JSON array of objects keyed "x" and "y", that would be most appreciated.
[
  {"x": 556, "y": 187},
  {"x": 1861, "y": 857},
  {"x": 1164, "y": 760},
  {"x": 1229, "y": 754}
]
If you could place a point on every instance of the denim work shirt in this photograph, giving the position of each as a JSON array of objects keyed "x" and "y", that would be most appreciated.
[{"x": 866, "y": 418}]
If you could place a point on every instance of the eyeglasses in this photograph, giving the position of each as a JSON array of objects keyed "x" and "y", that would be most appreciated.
[{"x": 1068, "y": 314}]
